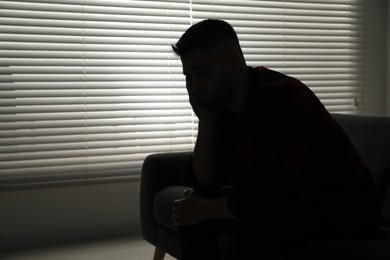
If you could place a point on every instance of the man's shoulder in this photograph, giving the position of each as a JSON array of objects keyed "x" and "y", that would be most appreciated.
[
  {"x": 272, "y": 81},
  {"x": 283, "y": 91},
  {"x": 268, "y": 75}
]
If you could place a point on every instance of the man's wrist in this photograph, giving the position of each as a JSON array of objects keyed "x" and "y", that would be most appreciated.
[{"x": 215, "y": 208}]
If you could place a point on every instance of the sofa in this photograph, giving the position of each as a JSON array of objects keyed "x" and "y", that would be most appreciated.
[{"x": 161, "y": 178}]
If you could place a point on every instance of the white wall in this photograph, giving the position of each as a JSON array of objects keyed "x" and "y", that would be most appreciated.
[
  {"x": 42, "y": 216},
  {"x": 388, "y": 58},
  {"x": 63, "y": 214},
  {"x": 376, "y": 94}
]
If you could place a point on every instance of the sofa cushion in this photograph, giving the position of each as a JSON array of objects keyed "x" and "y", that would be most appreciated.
[
  {"x": 371, "y": 137},
  {"x": 163, "y": 202}
]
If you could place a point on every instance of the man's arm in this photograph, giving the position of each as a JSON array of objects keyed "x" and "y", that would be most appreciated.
[{"x": 204, "y": 155}]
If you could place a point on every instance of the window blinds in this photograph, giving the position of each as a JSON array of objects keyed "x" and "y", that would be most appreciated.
[{"x": 89, "y": 88}]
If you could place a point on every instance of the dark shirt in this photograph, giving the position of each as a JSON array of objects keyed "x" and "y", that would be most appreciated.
[{"x": 285, "y": 148}]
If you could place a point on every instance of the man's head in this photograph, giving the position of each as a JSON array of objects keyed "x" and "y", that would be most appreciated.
[
  {"x": 206, "y": 35},
  {"x": 213, "y": 62}
]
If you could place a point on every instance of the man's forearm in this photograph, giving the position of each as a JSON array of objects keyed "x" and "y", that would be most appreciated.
[
  {"x": 204, "y": 153},
  {"x": 217, "y": 208}
]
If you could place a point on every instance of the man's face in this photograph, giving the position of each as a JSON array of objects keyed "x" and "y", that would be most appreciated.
[{"x": 207, "y": 78}]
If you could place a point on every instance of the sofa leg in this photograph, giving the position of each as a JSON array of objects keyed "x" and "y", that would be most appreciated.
[{"x": 159, "y": 254}]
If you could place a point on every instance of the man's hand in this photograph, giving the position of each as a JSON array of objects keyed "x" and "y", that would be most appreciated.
[
  {"x": 203, "y": 113},
  {"x": 188, "y": 211}
]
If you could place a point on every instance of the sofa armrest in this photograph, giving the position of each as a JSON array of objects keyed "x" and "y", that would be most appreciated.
[{"x": 159, "y": 170}]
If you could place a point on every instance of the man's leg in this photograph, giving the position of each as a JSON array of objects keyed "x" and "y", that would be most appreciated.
[
  {"x": 275, "y": 236},
  {"x": 253, "y": 240},
  {"x": 201, "y": 241}
]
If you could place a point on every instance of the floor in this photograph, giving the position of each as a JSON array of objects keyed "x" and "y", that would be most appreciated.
[{"x": 124, "y": 248}]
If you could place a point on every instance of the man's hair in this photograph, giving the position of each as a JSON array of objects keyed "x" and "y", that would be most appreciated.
[{"x": 205, "y": 35}]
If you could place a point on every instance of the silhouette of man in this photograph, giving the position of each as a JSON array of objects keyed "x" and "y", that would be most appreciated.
[{"x": 271, "y": 168}]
